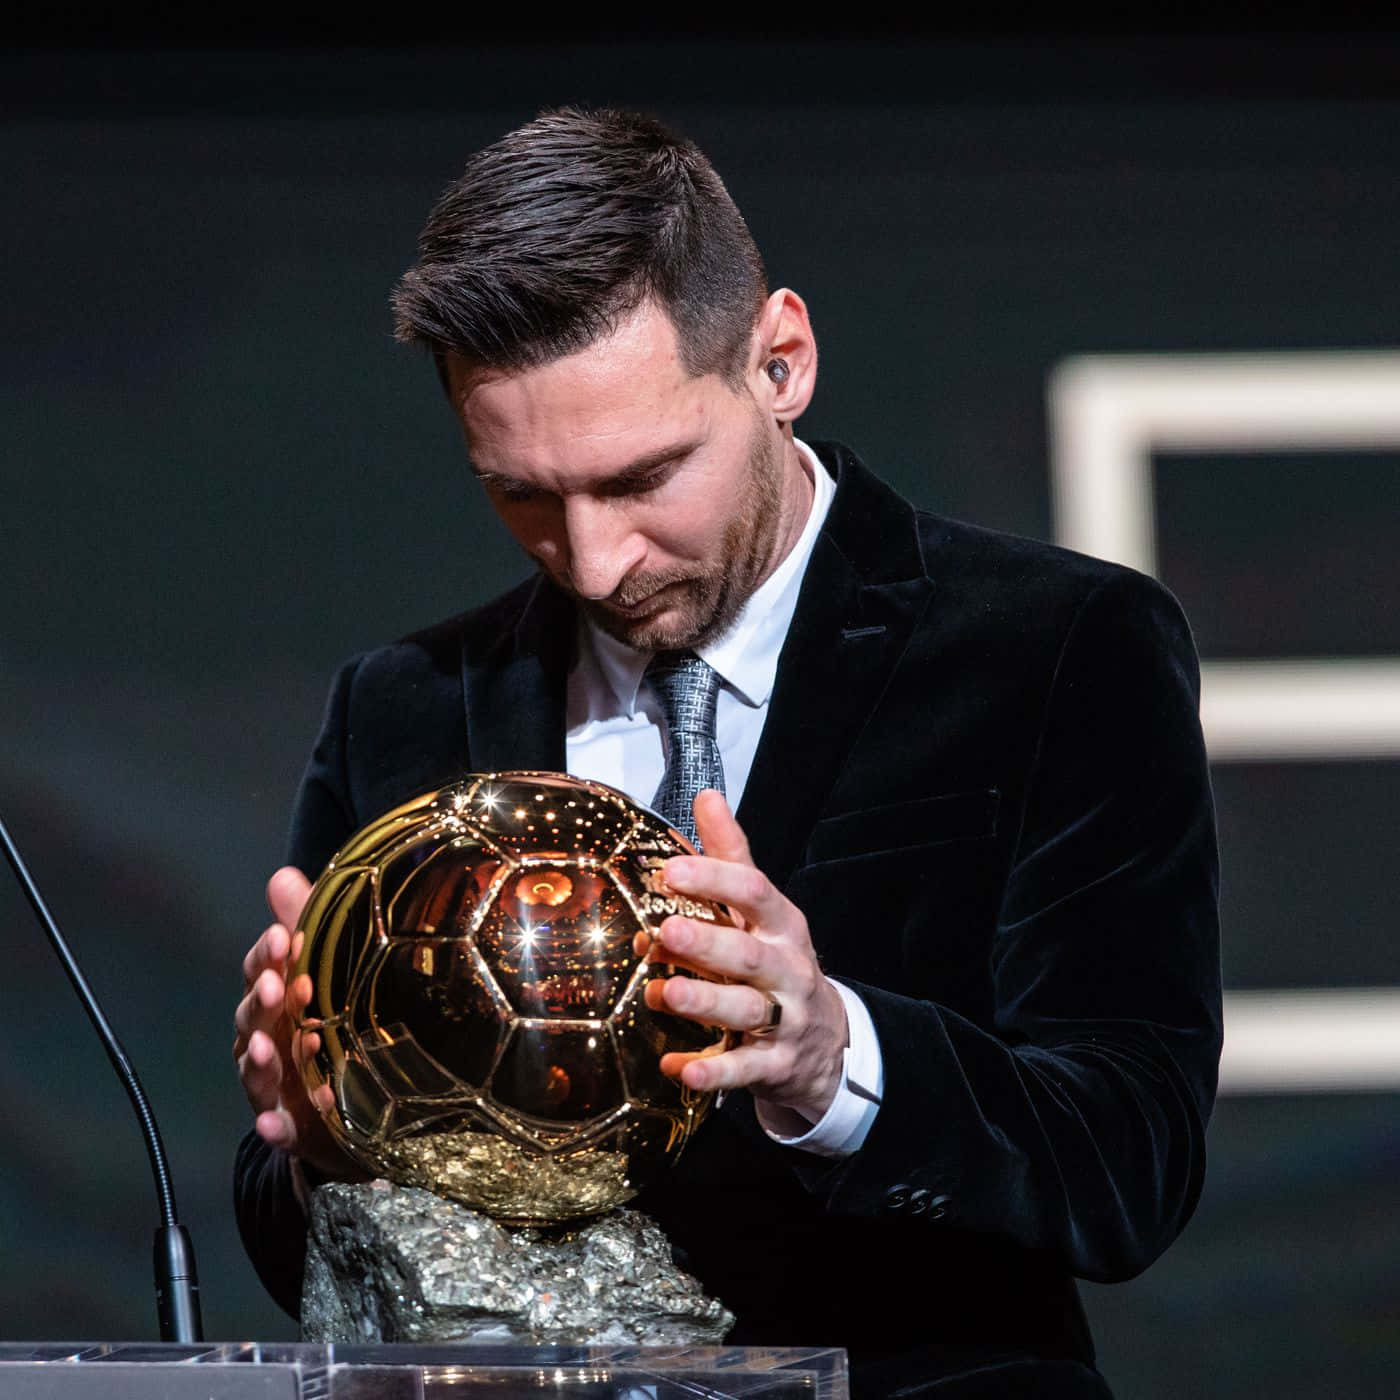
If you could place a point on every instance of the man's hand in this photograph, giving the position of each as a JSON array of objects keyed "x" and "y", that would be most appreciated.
[
  {"x": 768, "y": 958},
  {"x": 263, "y": 1044}
]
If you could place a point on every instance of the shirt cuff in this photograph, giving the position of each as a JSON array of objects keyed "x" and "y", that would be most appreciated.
[{"x": 842, "y": 1128}]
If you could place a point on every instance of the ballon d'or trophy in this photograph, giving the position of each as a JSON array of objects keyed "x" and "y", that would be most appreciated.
[{"x": 479, "y": 1042}]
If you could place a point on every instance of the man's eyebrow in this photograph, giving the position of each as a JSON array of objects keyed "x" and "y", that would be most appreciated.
[{"x": 633, "y": 473}]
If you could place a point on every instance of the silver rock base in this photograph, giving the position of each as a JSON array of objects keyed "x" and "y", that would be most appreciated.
[{"x": 399, "y": 1264}]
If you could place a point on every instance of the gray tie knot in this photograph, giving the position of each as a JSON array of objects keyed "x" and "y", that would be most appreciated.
[{"x": 688, "y": 689}]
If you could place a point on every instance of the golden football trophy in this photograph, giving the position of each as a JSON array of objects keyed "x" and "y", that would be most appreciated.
[{"x": 478, "y": 1026}]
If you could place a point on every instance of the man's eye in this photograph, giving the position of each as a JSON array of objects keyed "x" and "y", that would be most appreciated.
[
  {"x": 511, "y": 490},
  {"x": 643, "y": 482}
]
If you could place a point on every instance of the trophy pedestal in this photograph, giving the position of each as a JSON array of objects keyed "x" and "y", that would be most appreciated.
[
  {"x": 392, "y": 1263},
  {"x": 433, "y": 1371}
]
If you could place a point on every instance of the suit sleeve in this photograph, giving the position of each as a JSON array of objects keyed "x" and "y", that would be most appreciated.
[
  {"x": 1076, "y": 1122},
  {"x": 270, "y": 1218}
]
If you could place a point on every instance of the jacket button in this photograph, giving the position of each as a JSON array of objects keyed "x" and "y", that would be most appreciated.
[
  {"x": 938, "y": 1207},
  {"x": 897, "y": 1199},
  {"x": 919, "y": 1201}
]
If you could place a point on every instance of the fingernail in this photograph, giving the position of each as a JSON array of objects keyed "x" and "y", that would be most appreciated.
[{"x": 678, "y": 869}]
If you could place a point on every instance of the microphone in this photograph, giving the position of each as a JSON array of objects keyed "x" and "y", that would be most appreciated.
[{"x": 177, "y": 1284}]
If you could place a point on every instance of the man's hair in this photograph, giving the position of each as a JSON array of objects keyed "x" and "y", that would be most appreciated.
[{"x": 559, "y": 230}]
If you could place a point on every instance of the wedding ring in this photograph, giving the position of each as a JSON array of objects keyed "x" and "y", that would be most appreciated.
[{"x": 775, "y": 1015}]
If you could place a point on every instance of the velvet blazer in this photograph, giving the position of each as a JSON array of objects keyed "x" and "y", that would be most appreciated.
[{"x": 982, "y": 778}]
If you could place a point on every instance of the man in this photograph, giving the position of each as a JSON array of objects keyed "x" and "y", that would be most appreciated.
[{"x": 977, "y": 984}]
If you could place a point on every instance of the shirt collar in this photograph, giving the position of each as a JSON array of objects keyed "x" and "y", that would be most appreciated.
[{"x": 746, "y": 656}]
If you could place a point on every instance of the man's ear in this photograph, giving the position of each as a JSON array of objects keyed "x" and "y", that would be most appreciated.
[{"x": 783, "y": 359}]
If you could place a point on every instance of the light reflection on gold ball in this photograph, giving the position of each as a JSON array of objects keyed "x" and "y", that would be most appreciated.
[
  {"x": 479, "y": 1004},
  {"x": 544, "y": 887}
]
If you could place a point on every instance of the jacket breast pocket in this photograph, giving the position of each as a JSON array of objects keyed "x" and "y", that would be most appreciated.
[{"x": 905, "y": 826}]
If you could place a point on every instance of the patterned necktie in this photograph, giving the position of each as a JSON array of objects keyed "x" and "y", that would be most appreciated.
[{"x": 687, "y": 688}]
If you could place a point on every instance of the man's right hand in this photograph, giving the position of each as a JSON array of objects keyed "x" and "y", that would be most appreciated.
[{"x": 263, "y": 1044}]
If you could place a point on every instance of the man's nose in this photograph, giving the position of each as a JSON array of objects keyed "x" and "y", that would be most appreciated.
[{"x": 603, "y": 547}]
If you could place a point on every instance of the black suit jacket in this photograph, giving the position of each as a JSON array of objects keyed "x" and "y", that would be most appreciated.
[{"x": 982, "y": 779}]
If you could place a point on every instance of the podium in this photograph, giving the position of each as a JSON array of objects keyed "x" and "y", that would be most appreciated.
[{"x": 381, "y": 1371}]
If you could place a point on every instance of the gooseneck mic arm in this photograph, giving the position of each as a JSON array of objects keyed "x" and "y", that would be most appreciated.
[{"x": 177, "y": 1286}]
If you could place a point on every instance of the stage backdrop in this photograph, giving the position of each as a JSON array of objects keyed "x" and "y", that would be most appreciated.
[{"x": 221, "y": 477}]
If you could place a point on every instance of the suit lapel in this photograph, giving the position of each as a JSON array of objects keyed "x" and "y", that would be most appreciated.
[
  {"x": 514, "y": 679},
  {"x": 863, "y": 595}
]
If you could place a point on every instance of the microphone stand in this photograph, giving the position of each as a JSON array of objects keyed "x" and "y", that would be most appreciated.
[{"x": 177, "y": 1285}]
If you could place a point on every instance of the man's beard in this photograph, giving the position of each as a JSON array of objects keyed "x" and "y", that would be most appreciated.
[{"x": 707, "y": 602}]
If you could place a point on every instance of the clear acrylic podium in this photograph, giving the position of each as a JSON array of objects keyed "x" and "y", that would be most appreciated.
[{"x": 310, "y": 1371}]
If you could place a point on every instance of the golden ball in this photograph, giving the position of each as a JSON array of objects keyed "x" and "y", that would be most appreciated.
[{"x": 477, "y": 1024}]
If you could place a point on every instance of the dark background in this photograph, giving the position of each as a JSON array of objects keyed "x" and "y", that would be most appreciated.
[{"x": 221, "y": 476}]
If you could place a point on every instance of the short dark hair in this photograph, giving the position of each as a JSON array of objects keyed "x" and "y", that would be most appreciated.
[{"x": 556, "y": 232}]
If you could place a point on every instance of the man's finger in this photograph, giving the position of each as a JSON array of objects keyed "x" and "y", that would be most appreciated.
[
  {"x": 713, "y": 949},
  {"x": 300, "y": 990},
  {"x": 742, "y": 887},
  {"x": 720, "y": 835},
  {"x": 750, "y": 1064},
  {"x": 260, "y": 1071},
  {"x": 287, "y": 892},
  {"x": 276, "y": 1126},
  {"x": 269, "y": 951},
  {"x": 733, "y": 1006},
  {"x": 261, "y": 1007}
]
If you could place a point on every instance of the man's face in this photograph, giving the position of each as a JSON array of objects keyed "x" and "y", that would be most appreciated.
[{"x": 653, "y": 497}]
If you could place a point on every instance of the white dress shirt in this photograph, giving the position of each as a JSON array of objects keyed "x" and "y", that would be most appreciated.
[{"x": 616, "y": 735}]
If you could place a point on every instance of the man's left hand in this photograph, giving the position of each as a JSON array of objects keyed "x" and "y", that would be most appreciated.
[{"x": 768, "y": 958}]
